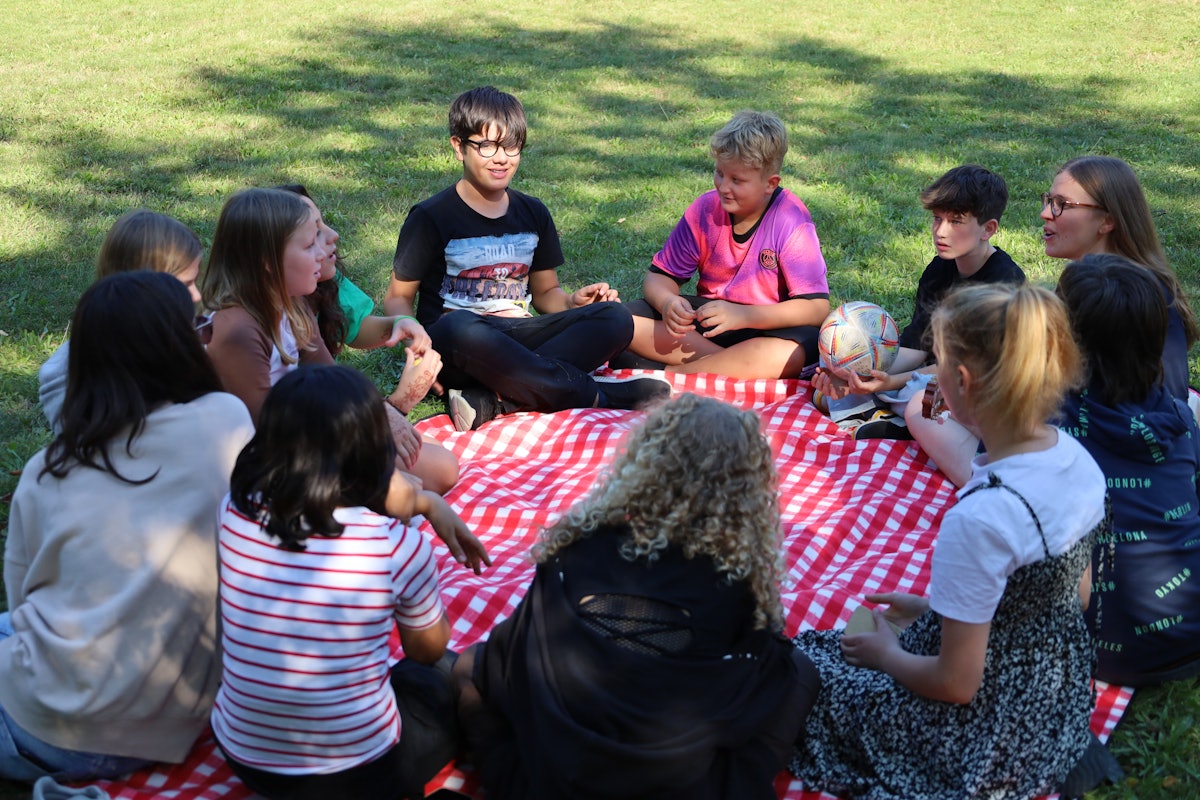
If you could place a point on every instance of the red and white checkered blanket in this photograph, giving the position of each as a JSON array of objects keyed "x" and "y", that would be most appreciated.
[{"x": 858, "y": 517}]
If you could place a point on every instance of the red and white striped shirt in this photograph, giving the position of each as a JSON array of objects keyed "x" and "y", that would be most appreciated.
[{"x": 305, "y": 686}]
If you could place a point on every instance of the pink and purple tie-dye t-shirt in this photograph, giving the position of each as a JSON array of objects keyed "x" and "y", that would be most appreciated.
[{"x": 782, "y": 260}]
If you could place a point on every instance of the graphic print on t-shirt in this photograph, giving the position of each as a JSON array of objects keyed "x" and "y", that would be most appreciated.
[{"x": 489, "y": 274}]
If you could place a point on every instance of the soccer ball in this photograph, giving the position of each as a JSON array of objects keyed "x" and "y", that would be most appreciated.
[{"x": 858, "y": 337}]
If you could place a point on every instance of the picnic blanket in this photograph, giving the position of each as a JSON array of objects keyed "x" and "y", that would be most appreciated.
[{"x": 858, "y": 517}]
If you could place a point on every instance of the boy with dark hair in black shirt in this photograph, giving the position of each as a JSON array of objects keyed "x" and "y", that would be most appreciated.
[
  {"x": 965, "y": 204},
  {"x": 479, "y": 254}
]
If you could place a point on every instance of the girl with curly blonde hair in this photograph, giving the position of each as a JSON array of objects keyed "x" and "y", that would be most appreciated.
[
  {"x": 718, "y": 499},
  {"x": 646, "y": 659}
]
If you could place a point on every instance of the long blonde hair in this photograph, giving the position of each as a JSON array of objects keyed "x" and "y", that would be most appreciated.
[
  {"x": 144, "y": 239},
  {"x": 245, "y": 265},
  {"x": 1016, "y": 342},
  {"x": 698, "y": 474}
]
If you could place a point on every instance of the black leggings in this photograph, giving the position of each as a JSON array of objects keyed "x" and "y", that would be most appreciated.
[{"x": 533, "y": 363}]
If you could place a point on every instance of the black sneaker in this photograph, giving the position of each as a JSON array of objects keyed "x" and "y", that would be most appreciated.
[
  {"x": 470, "y": 408},
  {"x": 631, "y": 393},
  {"x": 889, "y": 427},
  {"x": 1096, "y": 767}
]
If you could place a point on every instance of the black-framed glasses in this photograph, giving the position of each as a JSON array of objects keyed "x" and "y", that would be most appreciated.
[
  {"x": 487, "y": 148},
  {"x": 1059, "y": 205}
]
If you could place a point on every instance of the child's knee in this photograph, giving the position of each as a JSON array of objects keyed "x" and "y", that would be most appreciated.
[
  {"x": 609, "y": 322},
  {"x": 618, "y": 317},
  {"x": 464, "y": 332}
]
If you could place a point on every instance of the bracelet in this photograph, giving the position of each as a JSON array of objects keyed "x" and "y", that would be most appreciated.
[{"x": 399, "y": 317}]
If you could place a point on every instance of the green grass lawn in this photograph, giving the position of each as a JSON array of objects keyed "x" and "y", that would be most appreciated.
[{"x": 106, "y": 107}]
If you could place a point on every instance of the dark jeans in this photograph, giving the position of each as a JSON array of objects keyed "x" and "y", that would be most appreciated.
[
  {"x": 533, "y": 363},
  {"x": 24, "y": 757},
  {"x": 428, "y": 740}
]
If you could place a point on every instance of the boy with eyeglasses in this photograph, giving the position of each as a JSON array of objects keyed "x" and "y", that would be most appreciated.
[
  {"x": 965, "y": 206},
  {"x": 479, "y": 255},
  {"x": 761, "y": 291}
]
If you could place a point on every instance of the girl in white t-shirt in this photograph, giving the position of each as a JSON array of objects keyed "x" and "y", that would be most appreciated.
[
  {"x": 315, "y": 574},
  {"x": 985, "y": 690}
]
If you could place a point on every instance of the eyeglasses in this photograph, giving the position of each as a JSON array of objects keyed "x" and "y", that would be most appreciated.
[
  {"x": 1059, "y": 205},
  {"x": 487, "y": 148},
  {"x": 203, "y": 325}
]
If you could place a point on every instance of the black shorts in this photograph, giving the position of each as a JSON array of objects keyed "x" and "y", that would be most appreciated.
[{"x": 803, "y": 335}]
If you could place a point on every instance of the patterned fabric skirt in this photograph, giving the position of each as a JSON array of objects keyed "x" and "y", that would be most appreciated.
[{"x": 869, "y": 737}]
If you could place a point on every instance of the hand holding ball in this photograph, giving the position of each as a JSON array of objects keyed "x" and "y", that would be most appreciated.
[{"x": 858, "y": 337}]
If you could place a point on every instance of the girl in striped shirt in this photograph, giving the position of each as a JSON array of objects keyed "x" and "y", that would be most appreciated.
[{"x": 314, "y": 574}]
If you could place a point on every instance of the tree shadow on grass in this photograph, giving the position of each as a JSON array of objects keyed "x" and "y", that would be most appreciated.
[
  {"x": 368, "y": 120},
  {"x": 672, "y": 100},
  {"x": 365, "y": 126}
]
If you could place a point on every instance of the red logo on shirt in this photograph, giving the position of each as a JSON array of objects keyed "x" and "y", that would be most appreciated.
[{"x": 768, "y": 259}]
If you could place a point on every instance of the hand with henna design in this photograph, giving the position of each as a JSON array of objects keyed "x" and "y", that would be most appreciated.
[{"x": 418, "y": 377}]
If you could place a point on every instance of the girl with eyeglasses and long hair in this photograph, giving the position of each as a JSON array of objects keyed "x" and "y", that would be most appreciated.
[{"x": 1096, "y": 205}]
